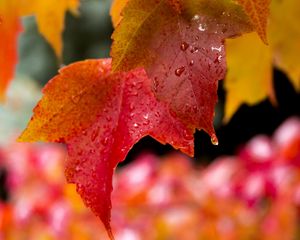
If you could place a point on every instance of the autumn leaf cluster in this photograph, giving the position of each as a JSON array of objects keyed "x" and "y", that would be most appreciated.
[{"x": 162, "y": 80}]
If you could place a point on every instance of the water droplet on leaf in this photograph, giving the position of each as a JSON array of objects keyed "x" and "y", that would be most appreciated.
[
  {"x": 196, "y": 17},
  {"x": 214, "y": 140},
  {"x": 202, "y": 27},
  {"x": 187, "y": 136},
  {"x": 179, "y": 71},
  {"x": 83, "y": 132},
  {"x": 131, "y": 106},
  {"x": 104, "y": 141},
  {"x": 194, "y": 50},
  {"x": 219, "y": 49},
  {"x": 184, "y": 46},
  {"x": 94, "y": 135}
]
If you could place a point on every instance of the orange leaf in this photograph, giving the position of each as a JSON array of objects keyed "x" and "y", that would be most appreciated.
[
  {"x": 258, "y": 11},
  {"x": 9, "y": 30},
  {"x": 285, "y": 38},
  {"x": 100, "y": 116}
]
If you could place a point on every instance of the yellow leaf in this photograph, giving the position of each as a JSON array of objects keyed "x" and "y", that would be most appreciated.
[
  {"x": 116, "y": 11},
  {"x": 258, "y": 11},
  {"x": 285, "y": 37},
  {"x": 134, "y": 33},
  {"x": 249, "y": 77},
  {"x": 284, "y": 41},
  {"x": 50, "y": 15}
]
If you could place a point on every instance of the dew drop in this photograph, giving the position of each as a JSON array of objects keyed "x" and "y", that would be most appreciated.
[
  {"x": 84, "y": 132},
  {"x": 92, "y": 151},
  {"x": 104, "y": 141},
  {"x": 194, "y": 50},
  {"x": 219, "y": 49},
  {"x": 226, "y": 14},
  {"x": 94, "y": 135},
  {"x": 214, "y": 140},
  {"x": 136, "y": 125},
  {"x": 123, "y": 150},
  {"x": 134, "y": 93},
  {"x": 77, "y": 168},
  {"x": 184, "y": 46},
  {"x": 191, "y": 63},
  {"x": 131, "y": 106},
  {"x": 146, "y": 122},
  {"x": 187, "y": 136},
  {"x": 196, "y": 17},
  {"x": 179, "y": 71},
  {"x": 202, "y": 27},
  {"x": 218, "y": 59}
]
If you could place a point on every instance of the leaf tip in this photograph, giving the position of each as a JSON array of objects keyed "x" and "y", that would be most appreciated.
[
  {"x": 214, "y": 139},
  {"x": 264, "y": 38},
  {"x": 110, "y": 233},
  {"x": 24, "y": 137}
]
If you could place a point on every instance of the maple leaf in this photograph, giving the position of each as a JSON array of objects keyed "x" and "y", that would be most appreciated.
[
  {"x": 50, "y": 21},
  {"x": 9, "y": 30},
  {"x": 100, "y": 116},
  {"x": 258, "y": 11},
  {"x": 184, "y": 58},
  {"x": 285, "y": 37},
  {"x": 251, "y": 81}
]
